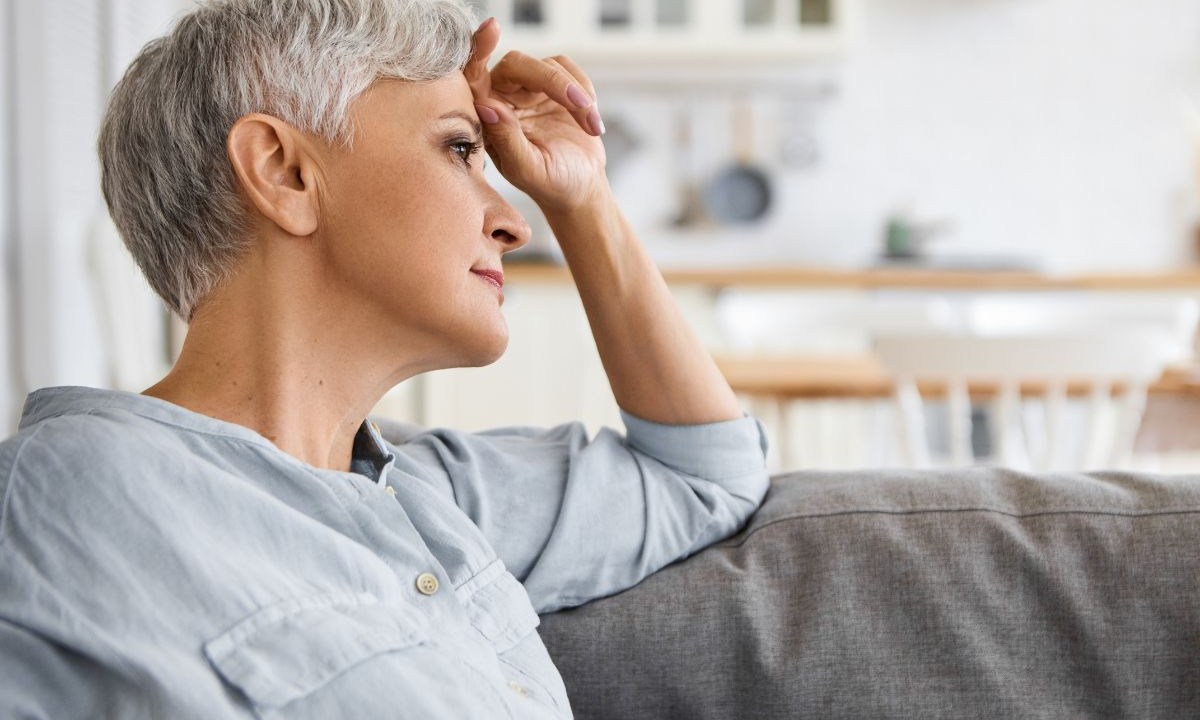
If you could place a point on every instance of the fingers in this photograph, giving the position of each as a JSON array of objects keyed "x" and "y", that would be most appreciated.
[
  {"x": 589, "y": 119},
  {"x": 558, "y": 77},
  {"x": 517, "y": 72},
  {"x": 577, "y": 72},
  {"x": 505, "y": 140}
]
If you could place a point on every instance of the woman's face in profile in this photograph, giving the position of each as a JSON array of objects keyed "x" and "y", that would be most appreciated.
[{"x": 409, "y": 220}]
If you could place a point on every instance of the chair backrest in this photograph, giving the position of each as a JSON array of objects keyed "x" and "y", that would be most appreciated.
[{"x": 1052, "y": 345}]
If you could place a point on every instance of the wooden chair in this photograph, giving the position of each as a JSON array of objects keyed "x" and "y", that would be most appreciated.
[
  {"x": 773, "y": 326},
  {"x": 1047, "y": 349}
]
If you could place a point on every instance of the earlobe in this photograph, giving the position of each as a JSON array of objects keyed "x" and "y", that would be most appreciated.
[{"x": 275, "y": 172}]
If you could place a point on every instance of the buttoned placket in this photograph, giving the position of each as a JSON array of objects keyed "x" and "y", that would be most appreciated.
[{"x": 427, "y": 582}]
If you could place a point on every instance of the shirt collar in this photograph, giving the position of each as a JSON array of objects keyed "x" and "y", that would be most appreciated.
[{"x": 370, "y": 455}]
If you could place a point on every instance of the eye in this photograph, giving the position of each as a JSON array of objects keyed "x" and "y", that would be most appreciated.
[{"x": 465, "y": 148}]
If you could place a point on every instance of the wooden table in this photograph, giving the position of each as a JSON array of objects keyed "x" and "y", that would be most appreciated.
[{"x": 863, "y": 376}]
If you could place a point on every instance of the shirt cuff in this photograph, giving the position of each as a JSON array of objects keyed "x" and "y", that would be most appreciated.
[{"x": 714, "y": 451}]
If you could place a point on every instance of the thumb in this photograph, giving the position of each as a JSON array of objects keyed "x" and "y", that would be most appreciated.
[{"x": 506, "y": 143}]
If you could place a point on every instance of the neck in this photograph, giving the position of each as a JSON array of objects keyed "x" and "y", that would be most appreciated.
[{"x": 274, "y": 352}]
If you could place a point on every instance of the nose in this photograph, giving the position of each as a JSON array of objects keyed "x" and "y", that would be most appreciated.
[{"x": 504, "y": 224}]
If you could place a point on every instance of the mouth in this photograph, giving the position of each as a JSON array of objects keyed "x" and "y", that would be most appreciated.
[{"x": 495, "y": 277}]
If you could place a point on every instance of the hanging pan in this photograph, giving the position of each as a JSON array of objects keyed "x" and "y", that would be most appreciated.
[{"x": 741, "y": 192}]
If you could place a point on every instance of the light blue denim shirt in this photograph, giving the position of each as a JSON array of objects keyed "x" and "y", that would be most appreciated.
[{"x": 155, "y": 562}]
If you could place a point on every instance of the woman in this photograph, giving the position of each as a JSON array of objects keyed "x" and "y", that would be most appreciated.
[{"x": 302, "y": 180}]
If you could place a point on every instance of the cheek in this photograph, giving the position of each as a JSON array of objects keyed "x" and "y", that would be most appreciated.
[{"x": 422, "y": 221}]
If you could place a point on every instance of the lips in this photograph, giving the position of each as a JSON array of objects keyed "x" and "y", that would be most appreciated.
[{"x": 495, "y": 277}]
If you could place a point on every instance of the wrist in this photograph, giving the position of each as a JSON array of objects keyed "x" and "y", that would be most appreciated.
[
  {"x": 600, "y": 247},
  {"x": 597, "y": 206},
  {"x": 593, "y": 234}
]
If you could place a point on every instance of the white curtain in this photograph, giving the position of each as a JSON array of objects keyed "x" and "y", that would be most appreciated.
[
  {"x": 8, "y": 378},
  {"x": 82, "y": 315}
]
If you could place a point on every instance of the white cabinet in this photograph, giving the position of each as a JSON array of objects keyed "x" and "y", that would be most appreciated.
[
  {"x": 550, "y": 374},
  {"x": 648, "y": 34}
]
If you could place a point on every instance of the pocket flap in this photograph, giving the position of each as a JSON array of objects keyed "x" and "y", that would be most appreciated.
[{"x": 287, "y": 650}]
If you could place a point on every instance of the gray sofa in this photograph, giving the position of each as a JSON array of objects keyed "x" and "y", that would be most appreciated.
[{"x": 977, "y": 593}]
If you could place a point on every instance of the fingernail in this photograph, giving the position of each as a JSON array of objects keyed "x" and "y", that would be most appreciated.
[
  {"x": 578, "y": 96},
  {"x": 595, "y": 123},
  {"x": 487, "y": 22},
  {"x": 487, "y": 115}
]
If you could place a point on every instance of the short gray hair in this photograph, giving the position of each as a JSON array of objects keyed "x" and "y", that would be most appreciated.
[{"x": 165, "y": 174}]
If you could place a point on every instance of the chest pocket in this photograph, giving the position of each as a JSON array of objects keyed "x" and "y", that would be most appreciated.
[
  {"x": 499, "y": 608},
  {"x": 289, "y": 650}
]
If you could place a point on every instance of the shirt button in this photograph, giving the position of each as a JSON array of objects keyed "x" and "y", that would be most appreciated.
[
  {"x": 518, "y": 689},
  {"x": 376, "y": 429},
  {"x": 427, "y": 583},
  {"x": 390, "y": 490}
]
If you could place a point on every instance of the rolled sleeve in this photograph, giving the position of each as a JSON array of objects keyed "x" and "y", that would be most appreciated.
[{"x": 732, "y": 452}]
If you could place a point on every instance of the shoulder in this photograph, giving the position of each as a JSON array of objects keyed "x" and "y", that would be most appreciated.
[
  {"x": 88, "y": 442},
  {"x": 448, "y": 454},
  {"x": 67, "y": 462}
]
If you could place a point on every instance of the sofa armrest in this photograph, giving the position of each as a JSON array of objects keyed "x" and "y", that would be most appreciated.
[{"x": 968, "y": 593}]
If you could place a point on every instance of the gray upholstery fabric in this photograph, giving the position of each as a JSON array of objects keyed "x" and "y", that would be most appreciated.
[{"x": 955, "y": 594}]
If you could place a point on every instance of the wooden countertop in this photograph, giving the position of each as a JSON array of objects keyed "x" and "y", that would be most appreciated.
[
  {"x": 863, "y": 376},
  {"x": 1185, "y": 278}
]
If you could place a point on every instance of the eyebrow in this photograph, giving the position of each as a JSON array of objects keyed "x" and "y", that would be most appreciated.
[{"x": 463, "y": 116}]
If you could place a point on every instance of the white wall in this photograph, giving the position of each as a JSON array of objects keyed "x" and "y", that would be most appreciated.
[{"x": 1048, "y": 128}]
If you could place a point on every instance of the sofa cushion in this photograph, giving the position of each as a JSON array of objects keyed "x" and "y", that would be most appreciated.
[{"x": 967, "y": 593}]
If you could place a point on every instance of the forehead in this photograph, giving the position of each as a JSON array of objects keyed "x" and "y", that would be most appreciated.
[{"x": 418, "y": 103}]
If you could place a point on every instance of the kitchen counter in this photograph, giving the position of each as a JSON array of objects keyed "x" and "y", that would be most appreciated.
[{"x": 890, "y": 277}]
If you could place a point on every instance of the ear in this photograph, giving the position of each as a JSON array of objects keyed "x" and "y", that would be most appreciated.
[{"x": 272, "y": 161}]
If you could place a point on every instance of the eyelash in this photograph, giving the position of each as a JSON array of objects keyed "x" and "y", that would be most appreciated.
[{"x": 471, "y": 146}]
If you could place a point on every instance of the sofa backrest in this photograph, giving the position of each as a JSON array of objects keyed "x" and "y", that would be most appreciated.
[{"x": 969, "y": 593}]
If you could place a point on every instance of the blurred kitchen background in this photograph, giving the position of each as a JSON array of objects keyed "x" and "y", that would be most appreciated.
[{"x": 914, "y": 232}]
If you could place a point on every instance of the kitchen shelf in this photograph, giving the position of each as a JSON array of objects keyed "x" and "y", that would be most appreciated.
[{"x": 653, "y": 35}]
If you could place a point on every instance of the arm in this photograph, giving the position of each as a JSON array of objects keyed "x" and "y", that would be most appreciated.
[
  {"x": 542, "y": 135},
  {"x": 575, "y": 518},
  {"x": 657, "y": 367}
]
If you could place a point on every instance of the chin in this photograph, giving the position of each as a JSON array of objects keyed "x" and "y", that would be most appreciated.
[
  {"x": 488, "y": 349},
  {"x": 488, "y": 358}
]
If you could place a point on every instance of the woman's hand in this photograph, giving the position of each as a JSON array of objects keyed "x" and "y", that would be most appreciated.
[{"x": 540, "y": 122}]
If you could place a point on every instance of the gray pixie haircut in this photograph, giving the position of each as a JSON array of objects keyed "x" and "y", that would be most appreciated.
[{"x": 165, "y": 174}]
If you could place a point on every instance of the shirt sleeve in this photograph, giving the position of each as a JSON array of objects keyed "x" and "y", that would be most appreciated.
[{"x": 576, "y": 519}]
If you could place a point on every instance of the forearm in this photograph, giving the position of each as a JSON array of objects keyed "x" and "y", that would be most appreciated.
[{"x": 656, "y": 365}]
